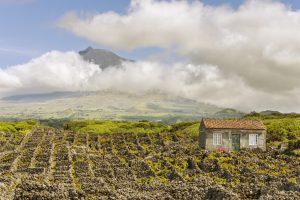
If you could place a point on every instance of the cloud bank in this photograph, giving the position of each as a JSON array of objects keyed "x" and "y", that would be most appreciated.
[
  {"x": 67, "y": 71},
  {"x": 247, "y": 58}
]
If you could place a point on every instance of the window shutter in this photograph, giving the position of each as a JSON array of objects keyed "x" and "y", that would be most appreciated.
[
  {"x": 217, "y": 138},
  {"x": 253, "y": 139}
]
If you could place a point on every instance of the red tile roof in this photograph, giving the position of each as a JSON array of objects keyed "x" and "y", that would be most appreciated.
[{"x": 233, "y": 124}]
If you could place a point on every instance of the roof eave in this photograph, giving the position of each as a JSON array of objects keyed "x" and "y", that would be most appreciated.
[{"x": 240, "y": 128}]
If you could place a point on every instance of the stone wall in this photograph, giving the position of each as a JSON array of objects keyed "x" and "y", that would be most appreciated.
[
  {"x": 245, "y": 138},
  {"x": 202, "y": 136},
  {"x": 226, "y": 142}
]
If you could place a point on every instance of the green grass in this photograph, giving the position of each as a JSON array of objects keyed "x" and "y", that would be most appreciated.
[
  {"x": 17, "y": 126},
  {"x": 109, "y": 126},
  {"x": 280, "y": 128}
]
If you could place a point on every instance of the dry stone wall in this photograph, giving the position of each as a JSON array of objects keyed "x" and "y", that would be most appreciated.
[{"x": 56, "y": 164}]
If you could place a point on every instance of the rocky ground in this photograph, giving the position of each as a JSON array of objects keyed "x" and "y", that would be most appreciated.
[{"x": 56, "y": 164}]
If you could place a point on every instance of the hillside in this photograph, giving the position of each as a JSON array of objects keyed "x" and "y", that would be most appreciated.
[
  {"x": 137, "y": 160},
  {"x": 107, "y": 105}
]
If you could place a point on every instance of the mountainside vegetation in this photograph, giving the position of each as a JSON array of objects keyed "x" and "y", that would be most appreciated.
[{"x": 109, "y": 105}]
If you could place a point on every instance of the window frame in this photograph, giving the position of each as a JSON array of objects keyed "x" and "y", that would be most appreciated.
[
  {"x": 253, "y": 139},
  {"x": 217, "y": 138}
]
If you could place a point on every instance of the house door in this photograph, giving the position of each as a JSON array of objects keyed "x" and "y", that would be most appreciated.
[{"x": 235, "y": 139}]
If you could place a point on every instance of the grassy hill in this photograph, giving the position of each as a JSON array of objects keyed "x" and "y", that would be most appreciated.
[{"x": 108, "y": 105}]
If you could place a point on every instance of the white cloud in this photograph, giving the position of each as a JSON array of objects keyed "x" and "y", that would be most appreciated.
[
  {"x": 67, "y": 71},
  {"x": 259, "y": 43},
  {"x": 50, "y": 72}
]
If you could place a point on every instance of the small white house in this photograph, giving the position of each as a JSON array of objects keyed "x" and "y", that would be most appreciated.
[{"x": 232, "y": 134}]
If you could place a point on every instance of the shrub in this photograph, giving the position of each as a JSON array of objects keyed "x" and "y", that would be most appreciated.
[
  {"x": 109, "y": 126},
  {"x": 18, "y": 126}
]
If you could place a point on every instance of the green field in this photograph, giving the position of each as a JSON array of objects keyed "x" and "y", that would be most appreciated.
[{"x": 280, "y": 127}]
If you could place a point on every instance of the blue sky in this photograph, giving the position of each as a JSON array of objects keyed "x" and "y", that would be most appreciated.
[{"x": 27, "y": 27}]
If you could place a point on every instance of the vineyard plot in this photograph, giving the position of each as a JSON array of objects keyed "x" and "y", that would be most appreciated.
[{"x": 49, "y": 163}]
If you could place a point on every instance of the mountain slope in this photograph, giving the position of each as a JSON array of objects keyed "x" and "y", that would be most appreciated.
[
  {"x": 101, "y": 57},
  {"x": 41, "y": 97},
  {"x": 106, "y": 105}
]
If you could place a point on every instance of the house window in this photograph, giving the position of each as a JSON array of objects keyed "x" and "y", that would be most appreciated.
[
  {"x": 253, "y": 139},
  {"x": 217, "y": 138}
]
